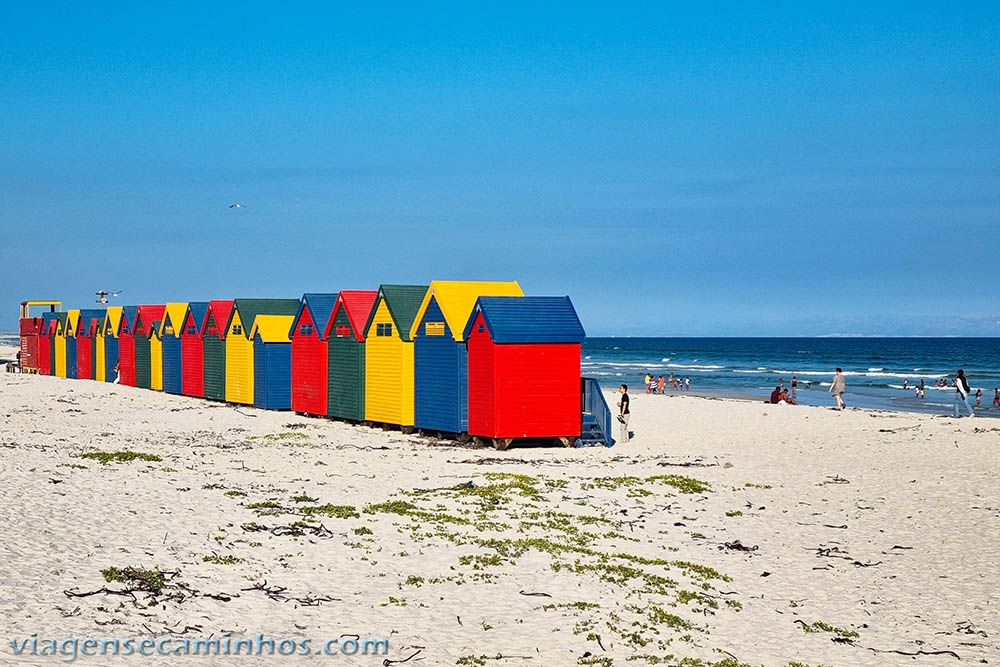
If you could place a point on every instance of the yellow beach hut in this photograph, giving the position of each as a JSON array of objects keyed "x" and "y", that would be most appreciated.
[
  {"x": 107, "y": 340},
  {"x": 441, "y": 378},
  {"x": 69, "y": 335},
  {"x": 60, "y": 350},
  {"x": 389, "y": 354},
  {"x": 239, "y": 344},
  {"x": 155, "y": 356}
]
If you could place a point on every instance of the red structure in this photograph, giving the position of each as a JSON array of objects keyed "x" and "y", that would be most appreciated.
[
  {"x": 31, "y": 329},
  {"x": 192, "y": 361},
  {"x": 44, "y": 354},
  {"x": 46, "y": 333},
  {"x": 126, "y": 347},
  {"x": 524, "y": 368},
  {"x": 309, "y": 353}
]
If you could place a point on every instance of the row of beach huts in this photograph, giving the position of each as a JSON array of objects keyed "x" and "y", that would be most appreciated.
[{"x": 452, "y": 359}]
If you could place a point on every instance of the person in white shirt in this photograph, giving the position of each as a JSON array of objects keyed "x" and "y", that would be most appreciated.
[{"x": 962, "y": 392}]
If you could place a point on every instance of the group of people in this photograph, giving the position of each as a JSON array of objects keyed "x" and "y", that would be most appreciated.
[
  {"x": 782, "y": 396},
  {"x": 785, "y": 396},
  {"x": 655, "y": 385},
  {"x": 963, "y": 391}
]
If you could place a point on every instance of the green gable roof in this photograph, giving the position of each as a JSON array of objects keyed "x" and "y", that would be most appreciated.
[
  {"x": 403, "y": 302},
  {"x": 249, "y": 309}
]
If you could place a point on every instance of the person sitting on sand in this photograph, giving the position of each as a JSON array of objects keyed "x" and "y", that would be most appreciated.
[
  {"x": 776, "y": 395},
  {"x": 785, "y": 399}
]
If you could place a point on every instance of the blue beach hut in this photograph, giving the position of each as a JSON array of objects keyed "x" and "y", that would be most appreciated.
[
  {"x": 441, "y": 381},
  {"x": 171, "y": 328},
  {"x": 272, "y": 362}
]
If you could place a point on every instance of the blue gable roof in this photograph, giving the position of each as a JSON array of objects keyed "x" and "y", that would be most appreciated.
[
  {"x": 198, "y": 309},
  {"x": 528, "y": 319},
  {"x": 128, "y": 314},
  {"x": 320, "y": 306}
]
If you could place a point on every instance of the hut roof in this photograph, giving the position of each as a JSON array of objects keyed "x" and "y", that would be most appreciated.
[
  {"x": 357, "y": 304},
  {"x": 319, "y": 305},
  {"x": 529, "y": 319},
  {"x": 175, "y": 314},
  {"x": 249, "y": 309},
  {"x": 403, "y": 302},
  {"x": 457, "y": 298},
  {"x": 149, "y": 314},
  {"x": 220, "y": 310},
  {"x": 198, "y": 310},
  {"x": 272, "y": 328}
]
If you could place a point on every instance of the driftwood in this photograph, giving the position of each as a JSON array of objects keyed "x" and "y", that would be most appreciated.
[{"x": 916, "y": 653}]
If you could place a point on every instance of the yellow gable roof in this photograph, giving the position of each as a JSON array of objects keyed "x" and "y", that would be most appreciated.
[
  {"x": 112, "y": 320},
  {"x": 272, "y": 328},
  {"x": 457, "y": 298},
  {"x": 72, "y": 321},
  {"x": 177, "y": 312}
]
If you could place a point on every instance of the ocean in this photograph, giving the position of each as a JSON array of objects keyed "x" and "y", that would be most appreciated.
[{"x": 875, "y": 368}]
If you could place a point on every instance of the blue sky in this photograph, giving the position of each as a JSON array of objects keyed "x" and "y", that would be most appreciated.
[{"x": 724, "y": 169}]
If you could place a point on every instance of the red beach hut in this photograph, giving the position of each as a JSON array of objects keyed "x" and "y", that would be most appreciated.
[
  {"x": 126, "y": 346},
  {"x": 192, "y": 361},
  {"x": 86, "y": 332},
  {"x": 524, "y": 368},
  {"x": 309, "y": 353}
]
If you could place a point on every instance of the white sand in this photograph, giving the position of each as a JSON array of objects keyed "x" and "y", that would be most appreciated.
[{"x": 914, "y": 497}]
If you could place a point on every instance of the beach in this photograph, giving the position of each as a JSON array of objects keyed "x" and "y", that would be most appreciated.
[{"x": 731, "y": 532}]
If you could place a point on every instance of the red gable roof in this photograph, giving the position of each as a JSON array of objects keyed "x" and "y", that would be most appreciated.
[
  {"x": 147, "y": 315},
  {"x": 358, "y": 304},
  {"x": 220, "y": 310}
]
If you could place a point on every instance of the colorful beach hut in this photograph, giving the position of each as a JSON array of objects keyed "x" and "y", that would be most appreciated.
[
  {"x": 155, "y": 357},
  {"x": 86, "y": 331},
  {"x": 309, "y": 353},
  {"x": 389, "y": 354},
  {"x": 213, "y": 340},
  {"x": 126, "y": 346},
  {"x": 239, "y": 344},
  {"x": 108, "y": 338},
  {"x": 345, "y": 340},
  {"x": 524, "y": 368},
  {"x": 69, "y": 333},
  {"x": 192, "y": 355},
  {"x": 59, "y": 345},
  {"x": 441, "y": 382},
  {"x": 170, "y": 332},
  {"x": 46, "y": 346},
  {"x": 272, "y": 362},
  {"x": 145, "y": 322},
  {"x": 97, "y": 346}
]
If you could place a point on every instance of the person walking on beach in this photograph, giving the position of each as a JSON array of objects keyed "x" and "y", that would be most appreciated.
[
  {"x": 623, "y": 413},
  {"x": 659, "y": 385},
  {"x": 962, "y": 392},
  {"x": 649, "y": 380},
  {"x": 687, "y": 384},
  {"x": 838, "y": 388}
]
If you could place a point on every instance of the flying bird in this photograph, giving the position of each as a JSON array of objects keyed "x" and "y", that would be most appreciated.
[{"x": 237, "y": 206}]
